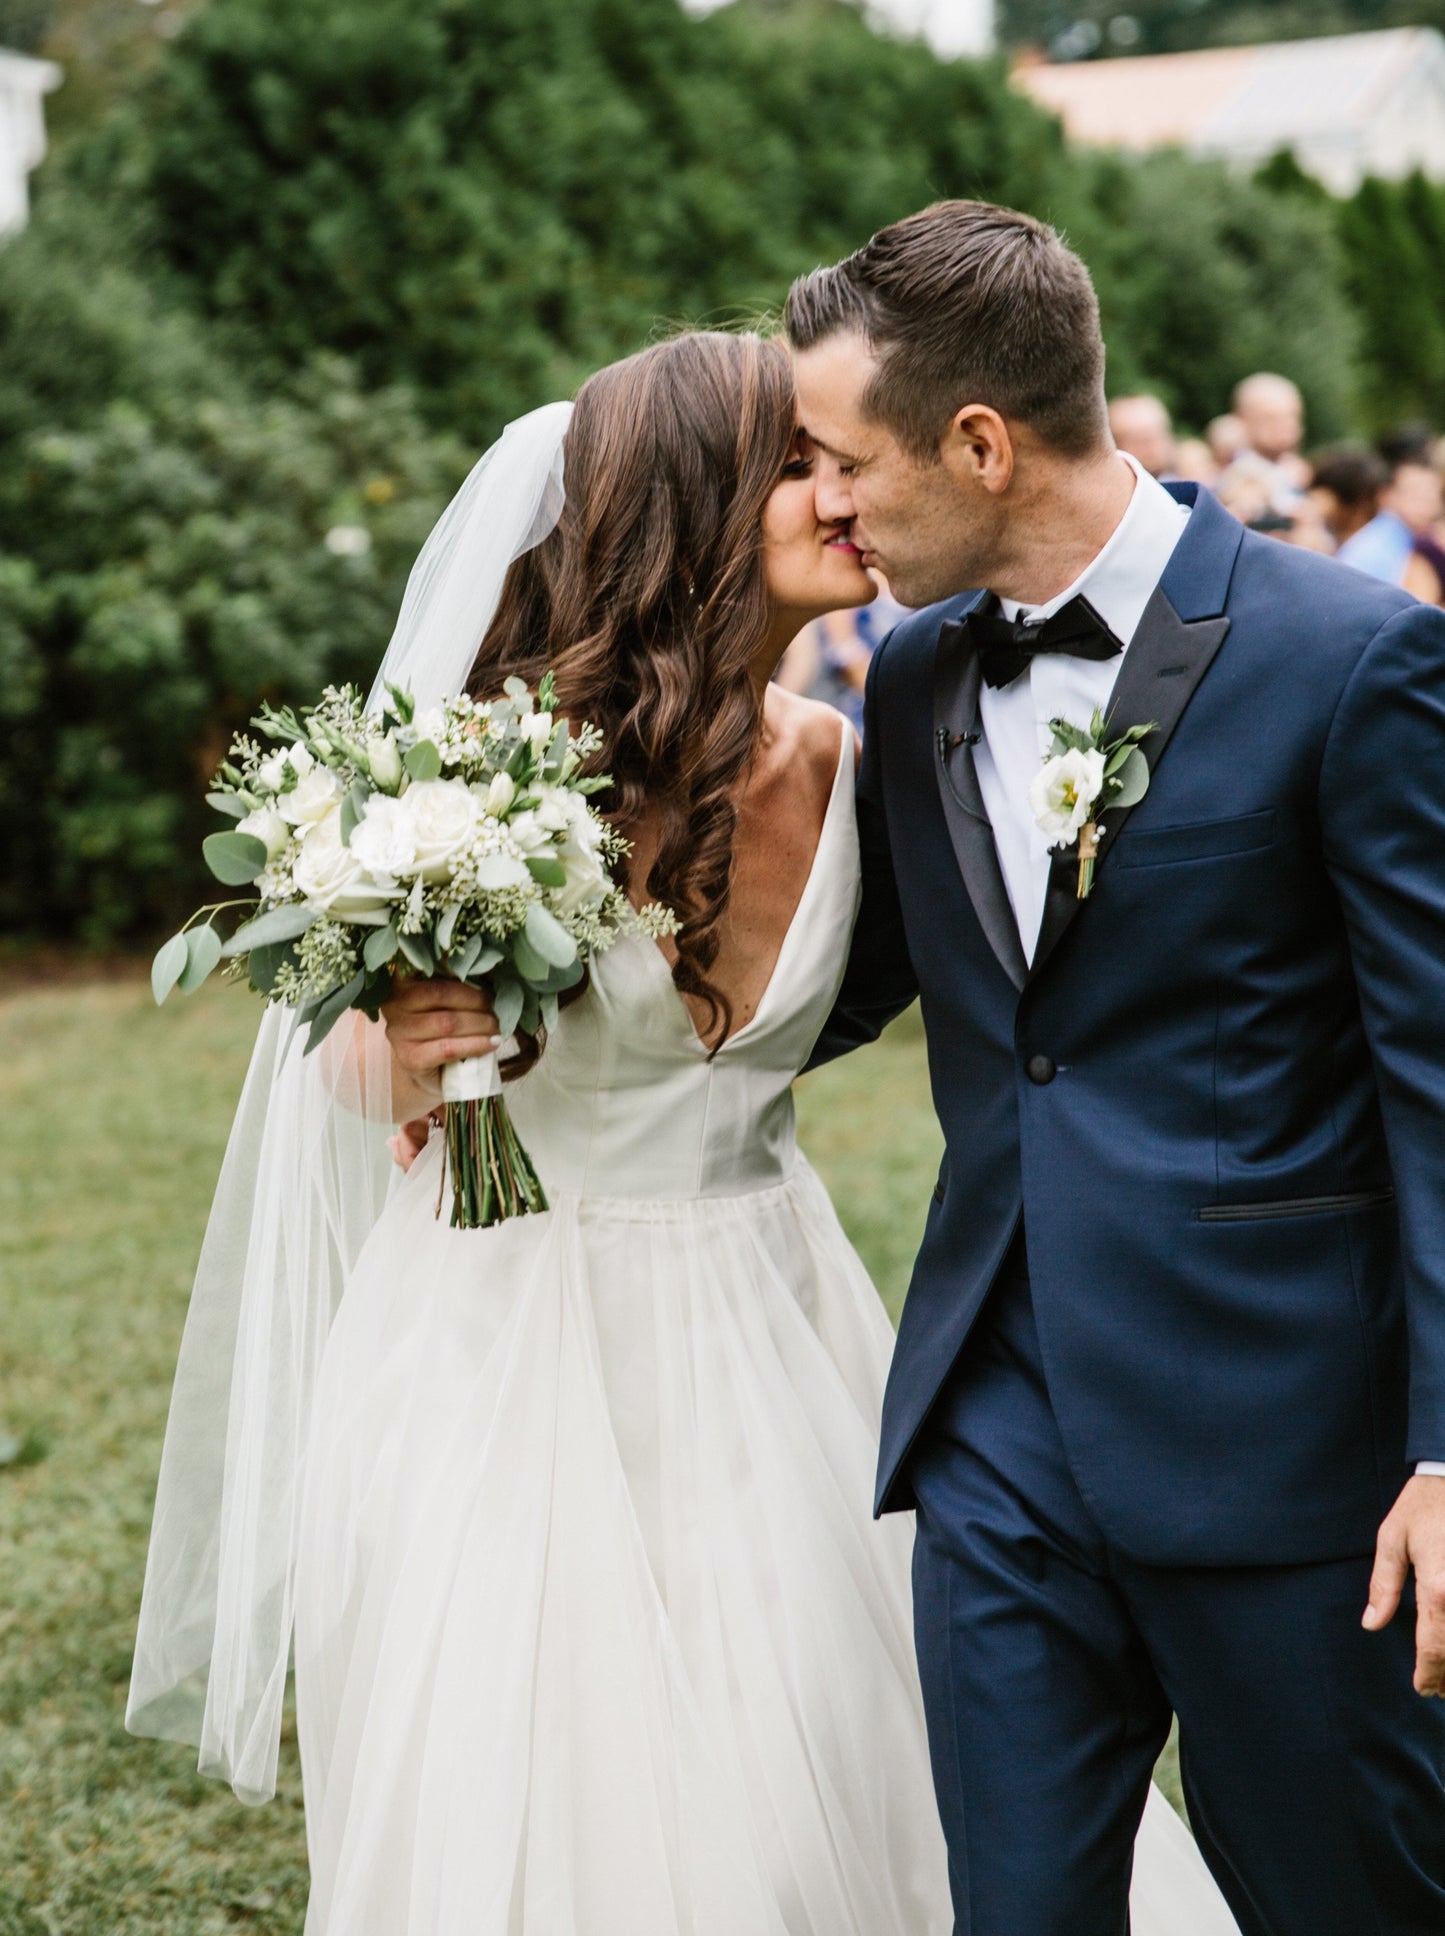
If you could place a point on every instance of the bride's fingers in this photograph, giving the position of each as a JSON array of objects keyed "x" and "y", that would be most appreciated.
[
  {"x": 413, "y": 995},
  {"x": 434, "y": 1025}
]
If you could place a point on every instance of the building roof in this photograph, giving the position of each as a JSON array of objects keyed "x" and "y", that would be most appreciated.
[{"x": 1244, "y": 101}]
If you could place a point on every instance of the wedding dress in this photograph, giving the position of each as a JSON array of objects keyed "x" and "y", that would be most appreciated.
[{"x": 595, "y": 1635}]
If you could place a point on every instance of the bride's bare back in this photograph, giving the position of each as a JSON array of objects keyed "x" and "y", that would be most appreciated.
[{"x": 780, "y": 819}]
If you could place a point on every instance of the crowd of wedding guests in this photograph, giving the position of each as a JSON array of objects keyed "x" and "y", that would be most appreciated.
[{"x": 1380, "y": 508}]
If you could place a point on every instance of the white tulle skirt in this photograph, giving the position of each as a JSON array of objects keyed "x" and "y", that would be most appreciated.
[{"x": 595, "y": 1635}]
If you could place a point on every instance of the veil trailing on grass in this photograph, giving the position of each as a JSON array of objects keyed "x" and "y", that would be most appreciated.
[{"x": 305, "y": 1176}]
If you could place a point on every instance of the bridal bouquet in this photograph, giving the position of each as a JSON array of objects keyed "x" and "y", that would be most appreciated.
[{"x": 458, "y": 841}]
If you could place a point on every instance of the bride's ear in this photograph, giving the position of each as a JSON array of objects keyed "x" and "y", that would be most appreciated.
[{"x": 978, "y": 449}]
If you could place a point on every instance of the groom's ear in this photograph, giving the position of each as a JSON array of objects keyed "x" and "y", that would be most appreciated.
[{"x": 978, "y": 449}]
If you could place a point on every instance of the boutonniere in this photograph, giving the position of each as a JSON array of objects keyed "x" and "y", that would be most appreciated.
[{"x": 1081, "y": 780}]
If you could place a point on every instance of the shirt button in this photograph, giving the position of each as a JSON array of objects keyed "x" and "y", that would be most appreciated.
[{"x": 1040, "y": 1069}]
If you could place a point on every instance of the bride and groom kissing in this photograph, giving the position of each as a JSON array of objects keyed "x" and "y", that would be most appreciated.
[{"x": 594, "y": 1631}]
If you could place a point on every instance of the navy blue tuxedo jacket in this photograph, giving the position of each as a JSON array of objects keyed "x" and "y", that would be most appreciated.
[{"x": 1217, "y": 1096}]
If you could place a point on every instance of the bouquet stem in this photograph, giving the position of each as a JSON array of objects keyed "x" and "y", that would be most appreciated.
[{"x": 493, "y": 1177}]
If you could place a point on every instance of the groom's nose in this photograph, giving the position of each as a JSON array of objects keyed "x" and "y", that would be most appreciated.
[{"x": 833, "y": 493}]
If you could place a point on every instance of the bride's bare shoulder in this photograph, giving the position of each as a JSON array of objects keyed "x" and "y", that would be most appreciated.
[{"x": 805, "y": 731}]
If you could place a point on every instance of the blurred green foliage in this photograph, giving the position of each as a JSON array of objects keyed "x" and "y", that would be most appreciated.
[{"x": 292, "y": 265}]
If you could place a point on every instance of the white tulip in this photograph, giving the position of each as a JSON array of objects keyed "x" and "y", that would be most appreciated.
[
  {"x": 537, "y": 727},
  {"x": 500, "y": 794},
  {"x": 1065, "y": 792},
  {"x": 384, "y": 759}
]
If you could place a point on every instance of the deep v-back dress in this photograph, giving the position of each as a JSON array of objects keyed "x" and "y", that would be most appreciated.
[{"x": 595, "y": 1634}]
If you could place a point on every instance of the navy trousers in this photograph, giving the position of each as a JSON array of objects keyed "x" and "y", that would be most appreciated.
[{"x": 1051, "y": 1665}]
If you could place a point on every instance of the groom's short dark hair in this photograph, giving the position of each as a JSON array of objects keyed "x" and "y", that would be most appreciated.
[{"x": 962, "y": 303}]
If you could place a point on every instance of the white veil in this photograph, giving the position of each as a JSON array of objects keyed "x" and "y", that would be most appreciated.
[{"x": 305, "y": 1175}]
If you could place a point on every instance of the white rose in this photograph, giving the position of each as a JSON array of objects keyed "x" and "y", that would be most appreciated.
[
  {"x": 1064, "y": 793},
  {"x": 267, "y": 826},
  {"x": 443, "y": 819},
  {"x": 314, "y": 795},
  {"x": 384, "y": 839},
  {"x": 272, "y": 771},
  {"x": 500, "y": 794},
  {"x": 384, "y": 759},
  {"x": 332, "y": 877},
  {"x": 530, "y": 835}
]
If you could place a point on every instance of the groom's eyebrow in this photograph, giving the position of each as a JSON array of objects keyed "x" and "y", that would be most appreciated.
[{"x": 844, "y": 456}]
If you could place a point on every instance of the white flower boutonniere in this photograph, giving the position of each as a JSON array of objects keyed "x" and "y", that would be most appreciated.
[{"x": 1081, "y": 780}]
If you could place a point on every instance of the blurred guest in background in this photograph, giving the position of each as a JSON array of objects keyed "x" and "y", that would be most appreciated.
[
  {"x": 1194, "y": 461},
  {"x": 1143, "y": 428},
  {"x": 1345, "y": 485},
  {"x": 1271, "y": 411},
  {"x": 1226, "y": 439},
  {"x": 1410, "y": 506}
]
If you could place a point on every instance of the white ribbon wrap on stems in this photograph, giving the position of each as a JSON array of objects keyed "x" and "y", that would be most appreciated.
[{"x": 473, "y": 1079}]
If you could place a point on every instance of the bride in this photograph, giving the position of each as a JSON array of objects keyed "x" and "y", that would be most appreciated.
[{"x": 593, "y": 1633}]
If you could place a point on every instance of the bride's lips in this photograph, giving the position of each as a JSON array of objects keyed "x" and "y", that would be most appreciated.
[{"x": 842, "y": 544}]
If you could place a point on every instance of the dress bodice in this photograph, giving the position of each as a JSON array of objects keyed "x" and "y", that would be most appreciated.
[{"x": 626, "y": 1102}]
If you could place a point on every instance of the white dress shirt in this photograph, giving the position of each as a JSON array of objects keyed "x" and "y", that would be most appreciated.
[
  {"x": 1015, "y": 718},
  {"x": 1118, "y": 584}
]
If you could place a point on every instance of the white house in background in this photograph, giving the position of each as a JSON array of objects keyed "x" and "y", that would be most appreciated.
[
  {"x": 1348, "y": 106},
  {"x": 24, "y": 83},
  {"x": 953, "y": 28}
]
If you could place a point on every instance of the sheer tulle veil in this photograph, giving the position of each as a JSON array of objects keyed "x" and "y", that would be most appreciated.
[{"x": 305, "y": 1175}]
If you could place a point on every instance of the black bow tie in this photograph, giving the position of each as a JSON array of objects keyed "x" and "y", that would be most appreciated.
[{"x": 1006, "y": 645}]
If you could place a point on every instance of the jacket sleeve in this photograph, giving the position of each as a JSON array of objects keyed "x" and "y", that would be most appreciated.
[
  {"x": 879, "y": 982},
  {"x": 1382, "y": 815}
]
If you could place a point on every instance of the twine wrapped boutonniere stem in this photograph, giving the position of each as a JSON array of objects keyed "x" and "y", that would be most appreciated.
[{"x": 1081, "y": 779}]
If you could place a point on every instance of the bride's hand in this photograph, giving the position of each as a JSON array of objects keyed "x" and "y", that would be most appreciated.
[{"x": 428, "y": 1024}]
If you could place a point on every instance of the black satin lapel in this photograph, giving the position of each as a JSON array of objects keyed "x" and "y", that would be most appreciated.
[
  {"x": 1160, "y": 675},
  {"x": 956, "y": 718}
]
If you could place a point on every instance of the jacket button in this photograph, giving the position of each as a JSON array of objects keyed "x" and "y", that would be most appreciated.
[{"x": 1040, "y": 1069}]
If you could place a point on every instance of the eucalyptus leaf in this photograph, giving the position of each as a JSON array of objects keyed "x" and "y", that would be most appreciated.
[
  {"x": 466, "y": 958},
  {"x": 331, "y": 1011},
  {"x": 548, "y": 1005},
  {"x": 1131, "y": 781},
  {"x": 380, "y": 948},
  {"x": 556, "y": 757},
  {"x": 352, "y": 808},
  {"x": 168, "y": 966},
  {"x": 550, "y": 939},
  {"x": 507, "y": 1004},
  {"x": 446, "y": 928},
  {"x": 277, "y": 924},
  {"x": 486, "y": 961},
  {"x": 234, "y": 858},
  {"x": 528, "y": 963},
  {"x": 417, "y": 950},
  {"x": 265, "y": 963},
  {"x": 423, "y": 762},
  {"x": 203, "y": 951},
  {"x": 531, "y": 1017},
  {"x": 228, "y": 804},
  {"x": 546, "y": 871}
]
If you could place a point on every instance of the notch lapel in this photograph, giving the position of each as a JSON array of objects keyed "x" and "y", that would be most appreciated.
[
  {"x": 1160, "y": 675},
  {"x": 956, "y": 728}
]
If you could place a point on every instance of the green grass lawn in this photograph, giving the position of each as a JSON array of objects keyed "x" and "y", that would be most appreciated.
[{"x": 113, "y": 1117}]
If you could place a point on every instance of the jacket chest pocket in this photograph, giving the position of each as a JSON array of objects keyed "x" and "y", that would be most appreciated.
[{"x": 1198, "y": 840}]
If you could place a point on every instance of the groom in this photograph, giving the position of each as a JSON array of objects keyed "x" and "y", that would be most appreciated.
[{"x": 1170, "y": 1378}]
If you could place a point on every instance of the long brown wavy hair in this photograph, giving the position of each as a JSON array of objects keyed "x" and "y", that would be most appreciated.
[{"x": 648, "y": 603}]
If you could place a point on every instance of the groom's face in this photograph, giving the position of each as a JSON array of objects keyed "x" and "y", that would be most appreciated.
[{"x": 930, "y": 528}]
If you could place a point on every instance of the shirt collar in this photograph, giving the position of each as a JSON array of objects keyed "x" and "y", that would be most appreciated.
[{"x": 1122, "y": 578}]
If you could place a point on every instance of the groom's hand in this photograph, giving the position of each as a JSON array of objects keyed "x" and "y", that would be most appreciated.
[{"x": 1414, "y": 1536}]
